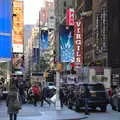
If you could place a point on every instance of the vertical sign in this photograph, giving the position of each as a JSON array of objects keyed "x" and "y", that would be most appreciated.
[
  {"x": 78, "y": 42},
  {"x": 66, "y": 44},
  {"x": 70, "y": 17},
  {"x": 18, "y": 23},
  {"x": 5, "y": 29},
  {"x": 51, "y": 18},
  {"x": 44, "y": 40}
]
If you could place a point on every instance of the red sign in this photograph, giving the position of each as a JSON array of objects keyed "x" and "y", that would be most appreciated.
[
  {"x": 78, "y": 42},
  {"x": 70, "y": 17}
]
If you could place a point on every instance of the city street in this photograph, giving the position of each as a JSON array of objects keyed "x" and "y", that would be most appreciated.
[{"x": 29, "y": 112}]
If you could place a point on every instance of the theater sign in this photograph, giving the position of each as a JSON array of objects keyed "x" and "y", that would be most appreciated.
[{"x": 78, "y": 42}]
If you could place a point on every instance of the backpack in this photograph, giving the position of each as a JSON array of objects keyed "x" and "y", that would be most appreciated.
[{"x": 35, "y": 90}]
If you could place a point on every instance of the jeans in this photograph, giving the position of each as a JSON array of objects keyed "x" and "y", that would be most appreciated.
[{"x": 13, "y": 116}]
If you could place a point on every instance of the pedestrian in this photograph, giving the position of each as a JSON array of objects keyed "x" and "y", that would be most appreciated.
[
  {"x": 13, "y": 103},
  {"x": 45, "y": 96},
  {"x": 87, "y": 95},
  {"x": 61, "y": 97},
  {"x": 36, "y": 94},
  {"x": 22, "y": 92}
]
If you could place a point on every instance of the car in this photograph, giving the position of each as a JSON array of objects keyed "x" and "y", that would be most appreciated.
[
  {"x": 96, "y": 96},
  {"x": 115, "y": 99},
  {"x": 51, "y": 85}
]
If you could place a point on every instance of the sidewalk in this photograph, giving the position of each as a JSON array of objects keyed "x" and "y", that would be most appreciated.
[{"x": 29, "y": 112}]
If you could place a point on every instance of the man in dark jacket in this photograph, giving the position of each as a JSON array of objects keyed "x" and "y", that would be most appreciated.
[{"x": 45, "y": 94}]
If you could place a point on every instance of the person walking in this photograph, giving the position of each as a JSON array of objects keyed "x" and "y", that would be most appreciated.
[
  {"x": 61, "y": 97},
  {"x": 13, "y": 103},
  {"x": 87, "y": 95},
  {"x": 36, "y": 94},
  {"x": 45, "y": 96}
]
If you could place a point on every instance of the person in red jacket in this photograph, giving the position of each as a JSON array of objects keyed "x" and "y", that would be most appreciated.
[{"x": 36, "y": 94}]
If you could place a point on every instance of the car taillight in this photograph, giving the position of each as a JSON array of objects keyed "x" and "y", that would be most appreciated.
[{"x": 110, "y": 92}]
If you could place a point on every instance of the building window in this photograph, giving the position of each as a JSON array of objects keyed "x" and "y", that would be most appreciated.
[
  {"x": 88, "y": 5},
  {"x": 64, "y": 3}
]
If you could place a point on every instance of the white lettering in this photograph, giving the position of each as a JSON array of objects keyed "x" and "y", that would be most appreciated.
[
  {"x": 78, "y": 23},
  {"x": 78, "y": 54},
  {"x": 78, "y": 59},
  {"x": 78, "y": 30},
  {"x": 78, "y": 48},
  {"x": 78, "y": 36}
]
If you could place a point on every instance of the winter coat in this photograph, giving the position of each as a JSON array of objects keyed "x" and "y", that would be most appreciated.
[{"x": 11, "y": 98}]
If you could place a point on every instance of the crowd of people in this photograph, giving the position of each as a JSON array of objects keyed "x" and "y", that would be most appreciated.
[{"x": 21, "y": 94}]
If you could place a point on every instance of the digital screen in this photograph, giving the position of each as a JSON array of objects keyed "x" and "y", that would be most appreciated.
[{"x": 66, "y": 44}]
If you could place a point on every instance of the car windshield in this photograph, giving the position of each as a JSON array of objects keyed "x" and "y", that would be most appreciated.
[
  {"x": 97, "y": 87},
  {"x": 50, "y": 84}
]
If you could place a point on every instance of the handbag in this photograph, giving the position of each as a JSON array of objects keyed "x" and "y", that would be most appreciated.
[{"x": 17, "y": 104}]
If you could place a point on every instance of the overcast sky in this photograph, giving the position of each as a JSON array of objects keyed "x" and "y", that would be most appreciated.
[{"x": 31, "y": 10}]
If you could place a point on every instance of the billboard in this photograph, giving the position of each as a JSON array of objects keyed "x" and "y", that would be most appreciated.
[
  {"x": 44, "y": 40},
  {"x": 5, "y": 29},
  {"x": 51, "y": 18},
  {"x": 66, "y": 44},
  {"x": 17, "y": 62},
  {"x": 70, "y": 16},
  {"x": 78, "y": 42},
  {"x": 18, "y": 23}
]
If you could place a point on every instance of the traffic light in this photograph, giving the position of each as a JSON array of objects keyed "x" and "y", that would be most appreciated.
[{"x": 59, "y": 67}]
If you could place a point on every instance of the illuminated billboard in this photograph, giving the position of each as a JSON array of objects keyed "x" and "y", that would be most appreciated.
[
  {"x": 44, "y": 40},
  {"x": 66, "y": 44},
  {"x": 70, "y": 16},
  {"x": 5, "y": 29},
  {"x": 18, "y": 23}
]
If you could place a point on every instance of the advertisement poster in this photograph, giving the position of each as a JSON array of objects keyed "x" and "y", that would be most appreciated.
[
  {"x": 44, "y": 40},
  {"x": 18, "y": 23},
  {"x": 5, "y": 29},
  {"x": 66, "y": 44}
]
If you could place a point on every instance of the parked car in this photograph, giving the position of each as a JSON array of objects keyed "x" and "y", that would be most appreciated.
[
  {"x": 96, "y": 96},
  {"x": 51, "y": 85},
  {"x": 115, "y": 99}
]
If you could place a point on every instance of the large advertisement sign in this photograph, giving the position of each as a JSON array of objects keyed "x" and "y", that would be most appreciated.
[
  {"x": 51, "y": 18},
  {"x": 44, "y": 40},
  {"x": 70, "y": 17},
  {"x": 66, "y": 44},
  {"x": 5, "y": 29},
  {"x": 18, "y": 23},
  {"x": 78, "y": 42},
  {"x": 18, "y": 62}
]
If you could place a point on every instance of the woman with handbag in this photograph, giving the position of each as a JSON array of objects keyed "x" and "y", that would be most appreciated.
[{"x": 13, "y": 103}]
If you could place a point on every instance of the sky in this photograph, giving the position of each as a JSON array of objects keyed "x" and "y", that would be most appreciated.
[{"x": 31, "y": 10}]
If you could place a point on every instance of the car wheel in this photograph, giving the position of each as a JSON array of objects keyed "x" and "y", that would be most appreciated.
[{"x": 103, "y": 108}]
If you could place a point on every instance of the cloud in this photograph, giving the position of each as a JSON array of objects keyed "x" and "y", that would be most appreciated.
[{"x": 31, "y": 10}]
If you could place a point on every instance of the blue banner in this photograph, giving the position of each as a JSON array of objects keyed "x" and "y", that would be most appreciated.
[
  {"x": 66, "y": 44},
  {"x": 44, "y": 40},
  {"x": 36, "y": 55},
  {"x": 5, "y": 29}
]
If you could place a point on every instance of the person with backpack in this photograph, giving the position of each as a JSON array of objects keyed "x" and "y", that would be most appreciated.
[{"x": 36, "y": 94}]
